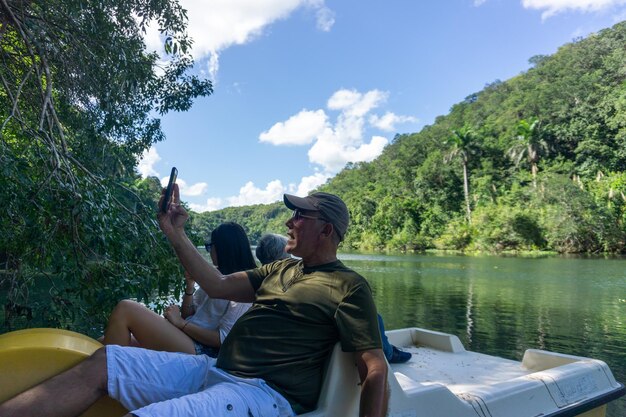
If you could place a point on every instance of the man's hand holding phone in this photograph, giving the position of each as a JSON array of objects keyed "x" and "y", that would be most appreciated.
[
  {"x": 166, "y": 199},
  {"x": 172, "y": 215}
]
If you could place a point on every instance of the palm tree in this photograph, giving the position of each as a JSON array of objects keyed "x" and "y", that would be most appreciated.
[
  {"x": 528, "y": 143},
  {"x": 463, "y": 147}
]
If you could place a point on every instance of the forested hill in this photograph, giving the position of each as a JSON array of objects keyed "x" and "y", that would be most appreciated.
[{"x": 534, "y": 162}]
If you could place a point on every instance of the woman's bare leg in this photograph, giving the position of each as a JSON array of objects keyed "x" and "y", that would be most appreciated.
[
  {"x": 152, "y": 331},
  {"x": 67, "y": 394},
  {"x": 133, "y": 341}
]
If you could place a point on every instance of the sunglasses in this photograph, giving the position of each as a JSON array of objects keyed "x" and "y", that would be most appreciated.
[
  {"x": 297, "y": 215},
  {"x": 208, "y": 246}
]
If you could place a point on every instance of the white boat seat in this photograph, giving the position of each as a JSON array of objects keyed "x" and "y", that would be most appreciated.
[{"x": 340, "y": 390}]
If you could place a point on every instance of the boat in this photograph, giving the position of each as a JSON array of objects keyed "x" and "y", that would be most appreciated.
[
  {"x": 442, "y": 379},
  {"x": 30, "y": 356}
]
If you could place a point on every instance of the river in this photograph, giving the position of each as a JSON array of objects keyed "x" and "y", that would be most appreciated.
[{"x": 505, "y": 305}]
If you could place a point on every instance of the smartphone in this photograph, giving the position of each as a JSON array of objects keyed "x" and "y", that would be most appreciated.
[{"x": 169, "y": 190}]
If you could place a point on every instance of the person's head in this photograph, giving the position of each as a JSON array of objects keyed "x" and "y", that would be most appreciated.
[
  {"x": 271, "y": 247},
  {"x": 319, "y": 223},
  {"x": 230, "y": 248}
]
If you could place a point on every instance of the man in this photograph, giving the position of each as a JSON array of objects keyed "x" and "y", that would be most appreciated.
[
  {"x": 271, "y": 247},
  {"x": 272, "y": 362}
]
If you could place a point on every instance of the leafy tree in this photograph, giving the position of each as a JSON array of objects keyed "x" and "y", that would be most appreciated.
[
  {"x": 537, "y": 60},
  {"x": 500, "y": 227},
  {"x": 463, "y": 143},
  {"x": 572, "y": 220},
  {"x": 529, "y": 144},
  {"x": 77, "y": 104}
]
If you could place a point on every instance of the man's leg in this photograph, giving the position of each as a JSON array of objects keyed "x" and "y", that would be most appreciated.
[
  {"x": 67, "y": 394},
  {"x": 392, "y": 353},
  {"x": 387, "y": 348},
  {"x": 228, "y": 398}
]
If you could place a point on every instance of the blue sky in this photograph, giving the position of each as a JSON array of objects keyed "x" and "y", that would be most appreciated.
[{"x": 304, "y": 86}]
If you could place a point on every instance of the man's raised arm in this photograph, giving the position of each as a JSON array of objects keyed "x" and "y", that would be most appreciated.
[{"x": 234, "y": 287}]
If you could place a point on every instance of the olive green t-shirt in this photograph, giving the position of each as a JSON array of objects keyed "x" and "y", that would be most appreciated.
[{"x": 289, "y": 332}]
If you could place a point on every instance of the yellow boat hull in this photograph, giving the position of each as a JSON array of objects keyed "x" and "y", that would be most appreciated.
[{"x": 30, "y": 356}]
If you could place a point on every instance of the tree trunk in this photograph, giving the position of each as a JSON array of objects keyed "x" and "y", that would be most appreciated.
[{"x": 466, "y": 190}]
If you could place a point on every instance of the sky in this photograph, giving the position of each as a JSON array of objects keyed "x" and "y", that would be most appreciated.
[{"x": 302, "y": 87}]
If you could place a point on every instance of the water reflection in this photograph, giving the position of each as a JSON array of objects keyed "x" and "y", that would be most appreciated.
[{"x": 505, "y": 305}]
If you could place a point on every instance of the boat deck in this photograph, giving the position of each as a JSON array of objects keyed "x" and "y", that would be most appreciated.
[
  {"x": 460, "y": 372},
  {"x": 442, "y": 379}
]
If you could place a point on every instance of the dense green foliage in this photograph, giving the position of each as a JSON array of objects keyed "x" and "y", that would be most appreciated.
[
  {"x": 544, "y": 154},
  {"x": 77, "y": 106}
]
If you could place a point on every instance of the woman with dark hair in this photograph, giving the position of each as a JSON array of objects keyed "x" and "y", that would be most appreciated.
[
  {"x": 230, "y": 248},
  {"x": 200, "y": 325}
]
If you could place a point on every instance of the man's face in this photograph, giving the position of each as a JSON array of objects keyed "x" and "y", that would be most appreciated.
[{"x": 304, "y": 231}]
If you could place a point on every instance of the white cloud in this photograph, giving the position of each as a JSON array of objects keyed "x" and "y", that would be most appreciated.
[
  {"x": 146, "y": 169},
  {"x": 193, "y": 190},
  {"x": 336, "y": 144},
  {"x": 212, "y": 204},
  {"x": 308, "y": 184},
  {"x": 325, "y": 19},
  {"x": 300, "y": 129},
  {"x": 273, "y": 191},
  {"x": 147, "y": 161},
  {"x": 354, "y": 104},
  {"x": 187, "y": 190},
  {"x": 333, "y": 155},
  {"x": 250, "y": 194},
  {"x": 552, "y": 7},
  {"x": 219, "y": 24},
  {"x": 369, "y": 151},
  {"x": 389, "y": 120}
]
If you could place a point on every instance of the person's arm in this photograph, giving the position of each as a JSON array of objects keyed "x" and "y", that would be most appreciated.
[
  {"x": 188, "y": 306},
  {"x": 235, "y": 286},
  {"x": 205, "y": 336},
  {"x": 372, "y": 368}
]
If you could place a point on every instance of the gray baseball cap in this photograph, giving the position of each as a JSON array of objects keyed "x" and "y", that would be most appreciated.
[{"x": 330, "y": 207}]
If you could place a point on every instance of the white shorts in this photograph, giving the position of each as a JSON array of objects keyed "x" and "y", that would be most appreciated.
[{"x": 151, "y": 383}]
